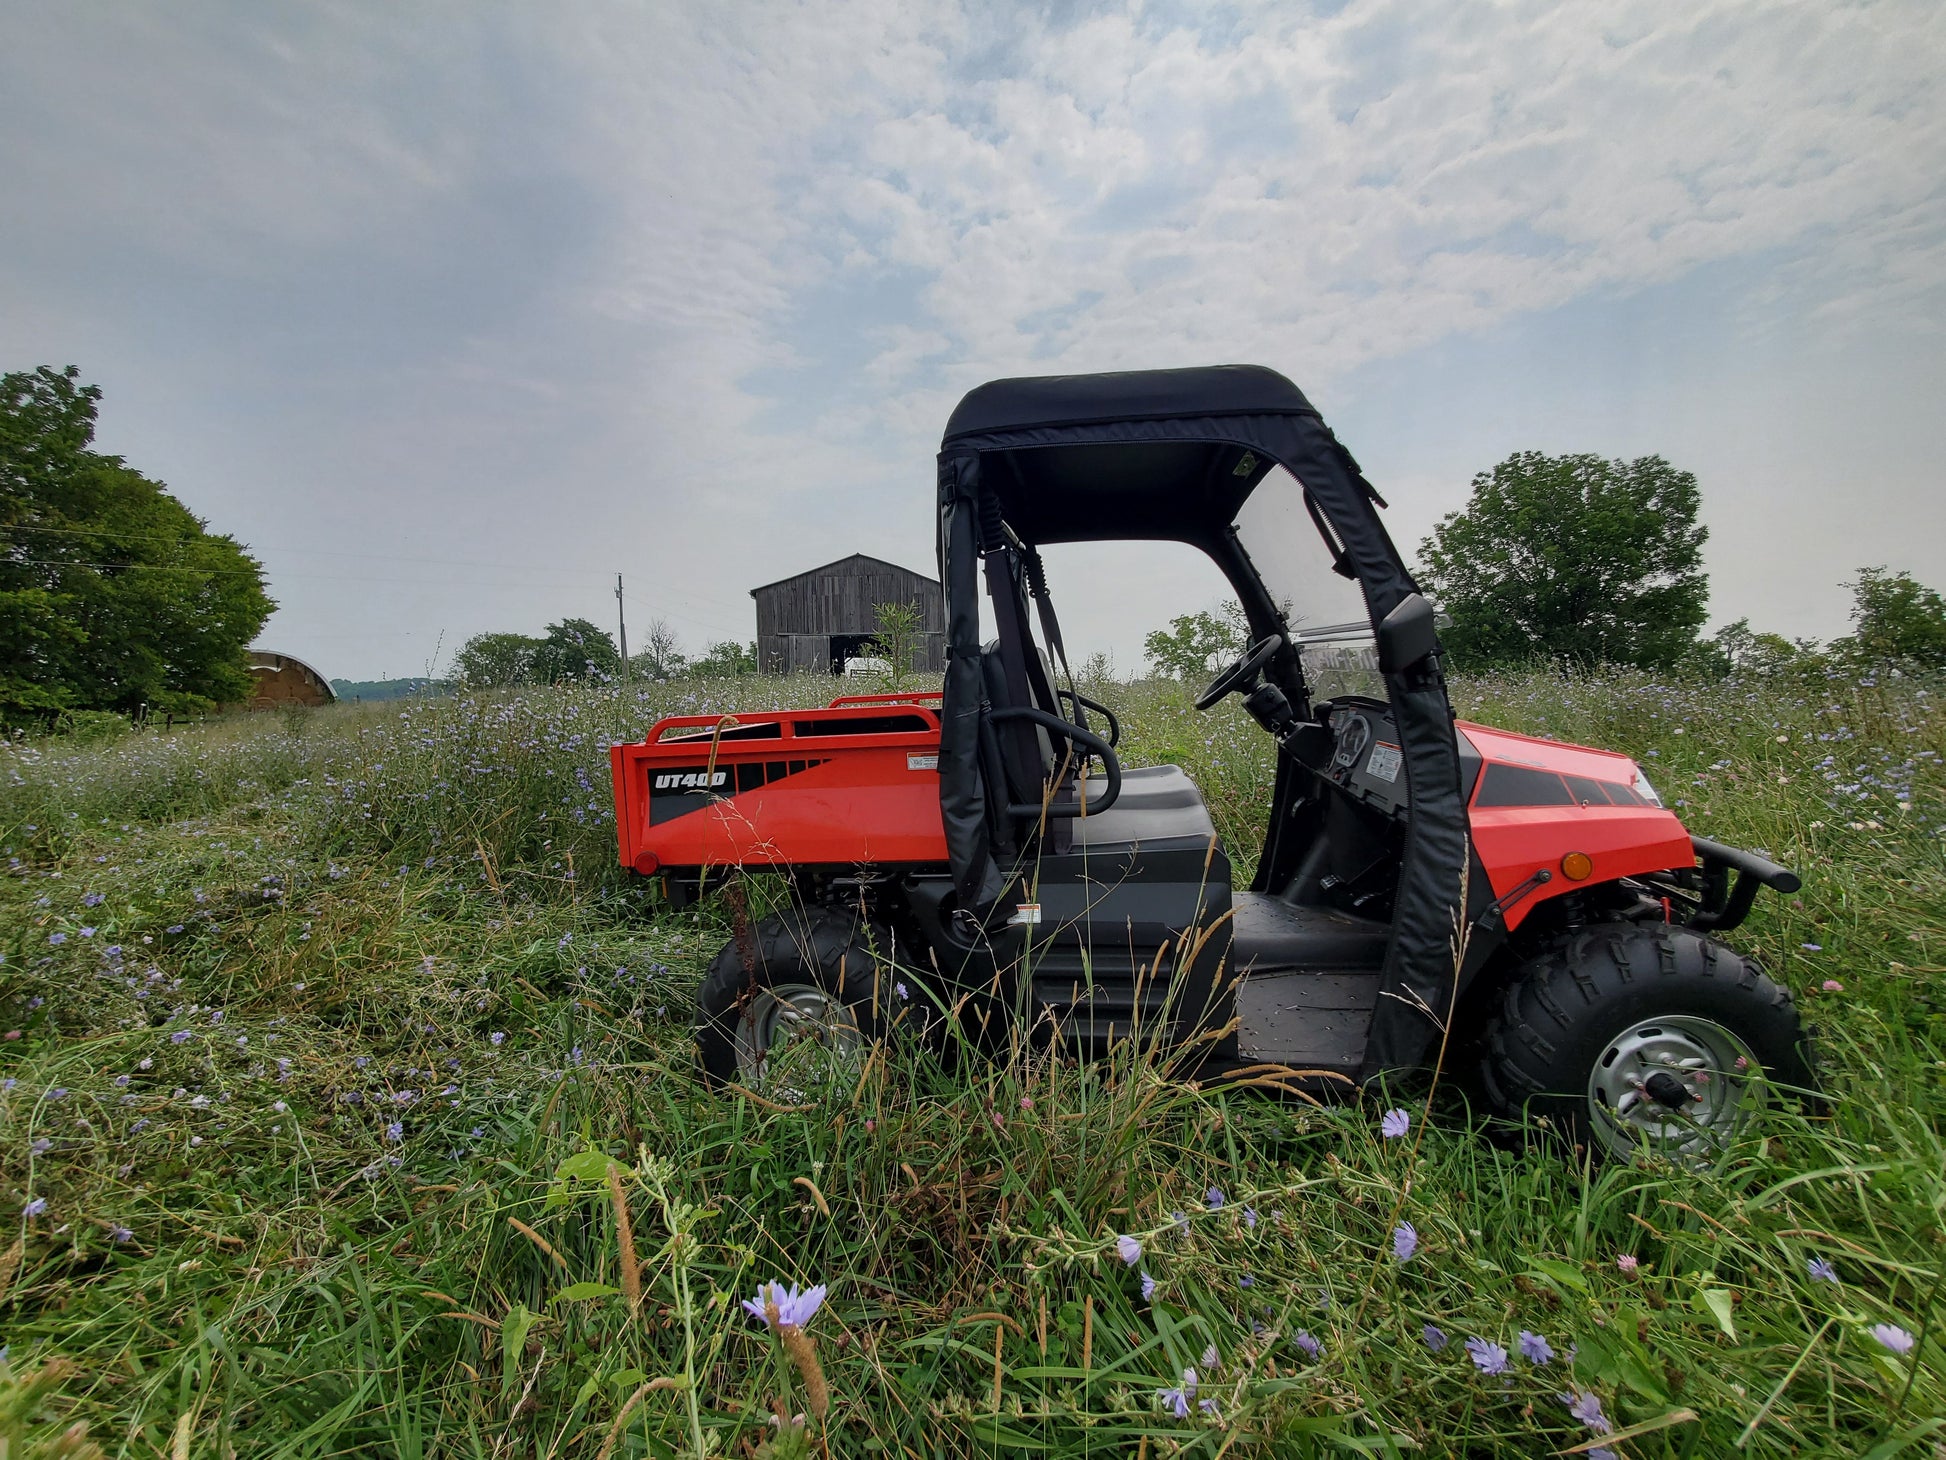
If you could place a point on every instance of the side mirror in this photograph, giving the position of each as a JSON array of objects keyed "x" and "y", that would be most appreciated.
[{"x": 1409, "y": 633}]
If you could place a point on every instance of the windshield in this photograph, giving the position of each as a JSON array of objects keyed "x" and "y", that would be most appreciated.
[{"x": 1290, "y": 556}]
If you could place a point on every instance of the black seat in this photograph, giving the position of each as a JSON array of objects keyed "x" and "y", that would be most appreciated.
[{"x": 1159, "y": 809}]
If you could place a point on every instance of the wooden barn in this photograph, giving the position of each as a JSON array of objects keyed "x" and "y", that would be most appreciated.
[
  {"x": 818, "y": 620},
  {"x": 282, "y": 679}
]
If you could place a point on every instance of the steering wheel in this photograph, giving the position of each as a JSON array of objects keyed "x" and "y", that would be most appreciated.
[{"x": 1242, "y": 672}]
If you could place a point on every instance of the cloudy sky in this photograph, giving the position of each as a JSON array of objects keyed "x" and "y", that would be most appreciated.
[{"x": 455, "y": 311}]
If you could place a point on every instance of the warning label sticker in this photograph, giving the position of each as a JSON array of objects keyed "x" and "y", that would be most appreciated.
[
  {"x": 922, "y": 762},
  {"x": 1384, "y": 763}
]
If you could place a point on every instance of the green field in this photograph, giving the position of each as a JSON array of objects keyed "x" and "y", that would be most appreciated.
[{"x": 313, "y": 1022}]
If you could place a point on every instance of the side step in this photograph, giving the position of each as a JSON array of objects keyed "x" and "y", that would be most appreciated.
[{"x": 1308, "y": 1021}]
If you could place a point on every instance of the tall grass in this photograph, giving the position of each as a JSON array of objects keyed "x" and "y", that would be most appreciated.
[{"x": 338, "y": 1050}]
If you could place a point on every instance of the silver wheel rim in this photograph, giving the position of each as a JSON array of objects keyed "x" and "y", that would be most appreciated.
[
  {"x": 1708, "y": 1066},
  {"x": 792, "y": 1032}
]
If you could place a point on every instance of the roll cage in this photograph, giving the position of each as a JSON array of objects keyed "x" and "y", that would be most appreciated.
[{"x": 1164, "y": 455}]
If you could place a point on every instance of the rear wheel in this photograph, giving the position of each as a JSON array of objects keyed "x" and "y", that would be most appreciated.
[
  {"x": 1639, "y": 1038},
  {"x": 818, "y": 990}
]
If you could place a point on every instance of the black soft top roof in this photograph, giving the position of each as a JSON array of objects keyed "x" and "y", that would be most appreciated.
[
  {"x": 1128, "y": 395},
  {"x": 1134, "y": 454}
]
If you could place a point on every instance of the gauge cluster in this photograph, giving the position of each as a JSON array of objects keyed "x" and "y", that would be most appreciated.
[{"x": 1366, "y": 761}]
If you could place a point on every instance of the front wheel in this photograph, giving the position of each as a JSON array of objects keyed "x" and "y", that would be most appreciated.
[{"x": 1643, "y": 1038}]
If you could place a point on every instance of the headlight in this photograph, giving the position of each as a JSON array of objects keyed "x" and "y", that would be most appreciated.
[{"x": 1644, "y": 789}]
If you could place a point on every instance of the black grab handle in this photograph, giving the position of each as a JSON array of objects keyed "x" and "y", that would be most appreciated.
[
  {"x": 1111, "y": 765},
  {"x": 1084, "y": 703}
]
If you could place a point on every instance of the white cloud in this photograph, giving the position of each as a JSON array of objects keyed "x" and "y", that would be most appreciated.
[{"x": 791, "y": 236}]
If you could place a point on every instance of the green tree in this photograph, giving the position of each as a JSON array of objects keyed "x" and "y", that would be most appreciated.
[
  {"x": 1896, "y": 617},
  {"x": 495, "y": 661},
  {"x": 113, "y": 595},
  {"x": 898, "y": 635},
  {"x": 1572, "y": 558},
  {"x": 723, "y": 660},
  {"x": 574, "y": 648},
  {"x": 1196, "y": 645}
]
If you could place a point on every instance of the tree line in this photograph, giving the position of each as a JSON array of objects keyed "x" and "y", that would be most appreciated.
[
  {"x": 576, "y": 649},
  {"x": 1584, "y": 562}
]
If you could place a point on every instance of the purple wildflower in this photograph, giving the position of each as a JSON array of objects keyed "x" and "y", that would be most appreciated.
[
  {"x": 1148, "y": 1286},
  {"x": 120, "y": 1234},
  {"x": 39, "y": 1204},
  {"x": 1405, "y": 1241},
  {"x": 1585, "y": 1405},
  {"x": 1889, "y": 1334},
  {"x": 794, "y": 1309},
  {"x": 1488, "y": 1357},
  {"x": 1177, "y": 1400},
  {"x": 1250, "y": 1218},
  {"x": 1129, "y": 1250},
  {"x": 94, "y": 899},
  {"x": 181, "y": 1036},
  {"x": 1215, "y": 1198},
  {"x": 1534, "y": 1348},
  {"x": 1305, "y": 1341},
  {"x": 497, "y": 1038},
  {"x": 1395, "y": 1124},
  {"x": 1434, "y": 1336},
  {"x": 55, "y": 940},
  {"x": 1823, "y": 1272},
  {"x": 395, "y": 1132}
]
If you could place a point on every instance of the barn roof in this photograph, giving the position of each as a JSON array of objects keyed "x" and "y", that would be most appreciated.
[{"x": 842, "y": 562}]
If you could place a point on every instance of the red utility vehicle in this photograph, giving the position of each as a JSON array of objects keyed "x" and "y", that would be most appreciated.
[{"x": 982, "y": 847}]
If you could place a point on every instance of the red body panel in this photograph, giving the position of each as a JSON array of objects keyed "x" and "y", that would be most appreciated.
[
  {"x": 858, "y": 782},
  {"x": 1515, "y": 841},
  {"x": 841, "y": 785}
]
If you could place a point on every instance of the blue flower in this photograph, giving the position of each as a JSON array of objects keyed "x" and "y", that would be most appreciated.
[
  {"x": 1395, "y": 1124},
  {"x": 1488, "y": 1358},
  {"x": 794, "y": 1309},
  {"x": 1434, "y": 1336},
  {"x": 1822, "y": 1271},
  {"x": 1215, "y": 1198},
  {"x": 1586, "y": 1407},
  {"x": 1178, "y": 1400},
  {"x": 1534, "y": 1348},
  {"x": 395, "y": 1131},
  {"x": 1250, "y": 1218},
  {"x": 35, "y": 1207},
  {"x": 1129, "y": 1250},
  {"x": 1309, "y": 1344},
  {"x": 1889, "y": 1334},
  {"x": 1148, "y": 1286},
  {"x": 1405, "y": 1241}
]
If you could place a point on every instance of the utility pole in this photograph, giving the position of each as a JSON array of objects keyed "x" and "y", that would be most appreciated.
[{"x": 621, "y": 622}]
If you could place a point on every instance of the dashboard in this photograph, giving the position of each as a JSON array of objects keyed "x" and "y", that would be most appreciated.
[{"x": 1366, "y": 762}]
